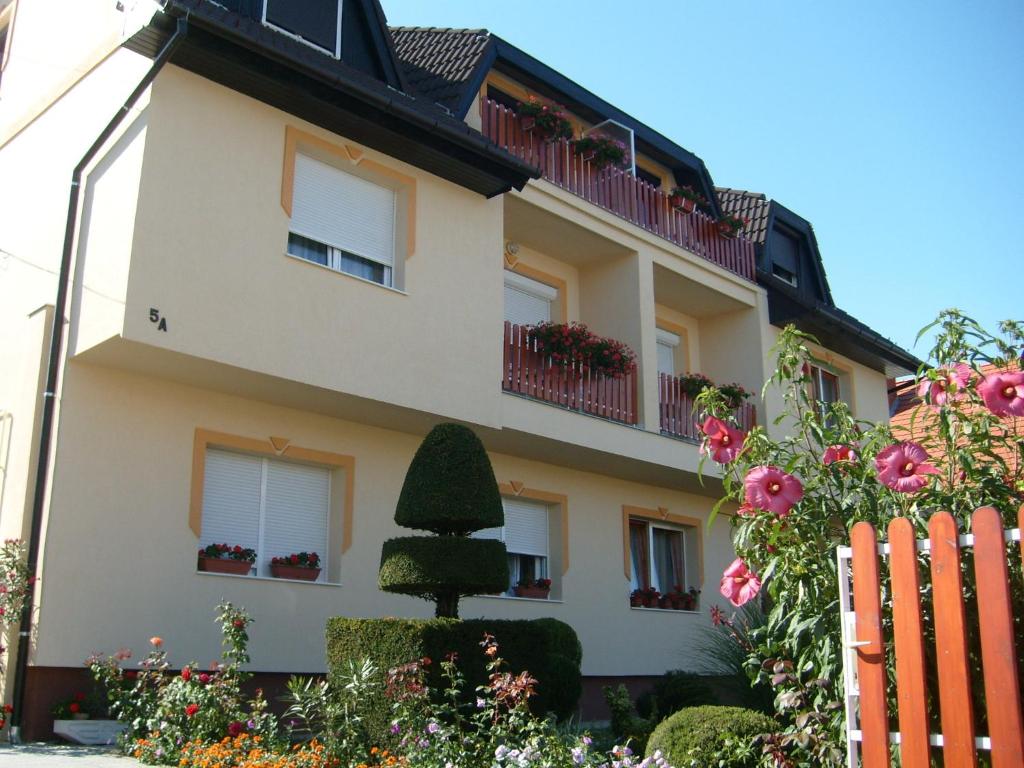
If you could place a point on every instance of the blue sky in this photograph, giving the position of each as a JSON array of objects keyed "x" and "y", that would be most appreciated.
[{"x": 896, "y": 128}]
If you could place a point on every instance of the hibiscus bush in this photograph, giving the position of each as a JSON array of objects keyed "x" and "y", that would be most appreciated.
[
  {"x": 164, "y": 710},
  {"x": 797, "y": 497}
]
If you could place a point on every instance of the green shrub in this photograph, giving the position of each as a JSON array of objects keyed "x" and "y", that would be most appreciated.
[
  {"x": 699, "y": 736},
  {"x": 673, "y": 691},
  {"x": 547, "y": 648},
  {"x": 423, "y": 565},
  {"x": 450, "y": 486},
  {"x": 449, "y": 490},
  {"x": 625, "y": 725}
]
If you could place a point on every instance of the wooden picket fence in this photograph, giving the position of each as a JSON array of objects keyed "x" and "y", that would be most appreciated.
[
  {"x": 867, "y": 711},
  {"x": 677, "y": 416},
  {"x": 617, "y": 191},
  {"x": 527, "y": 372}
]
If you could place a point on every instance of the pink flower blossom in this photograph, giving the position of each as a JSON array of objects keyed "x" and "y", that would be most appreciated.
[
  {"x": 717, "y": 616},
  {"x": 770, "y": 488},
  {"x": 724, "y": 442},
  {"x": 836, "y": 453},
  {"x": 739, "y": 583},
  {"x": 1003, "y": 393},
  {"x": 949, "y": 384},
  {"x": 902, "y": 467}
]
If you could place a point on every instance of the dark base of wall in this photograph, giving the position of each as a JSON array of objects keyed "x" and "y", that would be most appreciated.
[{"x": 45, "y": 686}]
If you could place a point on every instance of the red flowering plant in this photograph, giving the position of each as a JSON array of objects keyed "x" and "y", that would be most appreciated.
[
  {"x": 604, "y": 151},
  {"x": 795, "y": 498},
  {"x": 78, "y": 705},
  {"x": 574, "y": 344},
  {"x": 693, "y": 384},
  {"x": 163, "y": 709},
  {"x": 544, "y": 584},
  {"x": 547, "y": 120},
  {"x": 298, "y": 560},
  {"x": 730, "y": 225},
  {"x": 679, "y": 196},
  {"x": 228, "y": 552},
  {"x": 735, "y": 395}
]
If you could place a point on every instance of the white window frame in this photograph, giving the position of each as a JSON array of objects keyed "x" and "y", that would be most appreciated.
[
  {"x": 815, "y": 372},
  {"x": 262, "y": 564},
  {"x": 545, "y": 558},
  {"x": 336, "y": 53},
  {"x": 686, "y": 534},
  {"x": 669, "y": 339}
]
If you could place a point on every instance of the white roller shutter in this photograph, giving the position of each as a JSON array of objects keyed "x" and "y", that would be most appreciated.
[
  {"x": 231, "y": 499},
  {"x": 667, "y": 343},
  {"x": 296, "y": 510},
  {"x": 527, "y": 302},
  {"x": 343, "y": 211},
  {"x": 526, "y": 527}
]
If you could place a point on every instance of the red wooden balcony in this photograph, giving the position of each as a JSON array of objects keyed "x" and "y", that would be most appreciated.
[
  {"x": 529, "y": 373},
  {"x": 677, "y": 415},
  {"x": 617, "y": 191}
]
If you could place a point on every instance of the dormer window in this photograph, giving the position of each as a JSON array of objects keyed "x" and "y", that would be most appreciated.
[
  {"x": 786, "y": 257},
  {"x": 314, "y": 22}
]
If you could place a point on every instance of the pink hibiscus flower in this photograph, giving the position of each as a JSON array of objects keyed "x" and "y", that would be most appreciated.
[
  {"x": 949, "y": 384},
  {"x": 836, "y": 453},
  {"x": 903, "y": 467},
  {"x": 739, "y": 583},
  {"x": 724, "y": 442},
  {"x": 772, "y": 489},
  {"x": 1003, "y": 393}
]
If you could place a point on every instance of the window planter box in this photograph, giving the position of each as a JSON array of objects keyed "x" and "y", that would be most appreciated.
[
  {"x": 533, "y": 592},
  {"x": 222, "y": 565},
  {"x": 296, "y": 572},
  {"x": 682, "y": 204},
  {"x": 727, "y": 230}
]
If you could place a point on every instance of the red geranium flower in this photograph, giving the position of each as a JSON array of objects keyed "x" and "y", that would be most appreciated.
[
  {"x": 191, "y": 709},
  {"x": 186, "y": 674},
  {"x": 294, "y": 559}
]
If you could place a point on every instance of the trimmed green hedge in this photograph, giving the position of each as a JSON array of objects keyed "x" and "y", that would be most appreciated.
[
  {"x": 424, "y": 565},
  {"x": 450, "y": 486},
  {"x": 705, "y": 730},
  {"x": 547, "y": 648}
]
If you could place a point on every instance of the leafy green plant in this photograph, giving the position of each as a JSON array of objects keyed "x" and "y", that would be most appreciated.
[
  {"x": 711, "y": 736},
  {"x": 164, "y": 710}
]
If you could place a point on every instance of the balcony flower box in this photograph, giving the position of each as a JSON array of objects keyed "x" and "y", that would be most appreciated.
[
  {"x": 730, "y": 226},
  {"x": 223, "y": 558},
  {"x": 302, "y": 566},
  {"x": 683, "y": 601},
  {"x": 548, "y": 121},
  {"x": 685, "y": 200},
  {"x": 648, "y": 597},
  {"x": 536, "y": 589},
  {"x": 603, "y": 151},
  {"x": 574, "y": 343}
]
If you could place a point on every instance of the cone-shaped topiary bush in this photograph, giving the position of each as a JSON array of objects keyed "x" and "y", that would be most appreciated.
[{"x": 449, "y": 490}]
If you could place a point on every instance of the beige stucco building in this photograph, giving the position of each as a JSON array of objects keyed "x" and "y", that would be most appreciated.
[{"x": 296, "y": 253}]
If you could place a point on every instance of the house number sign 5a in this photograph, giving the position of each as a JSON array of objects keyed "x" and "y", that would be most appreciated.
[{"x": 154, "y": 317}]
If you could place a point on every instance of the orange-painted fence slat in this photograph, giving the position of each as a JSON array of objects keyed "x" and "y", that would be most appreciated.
[
  {"x": 955, "y": 707},
  {"x": 998, "y": 651},
  {"x": 912, "y": 694},
  {"x": 871, "y": 672}
]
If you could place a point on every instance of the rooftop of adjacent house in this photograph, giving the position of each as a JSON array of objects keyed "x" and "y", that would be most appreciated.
[
  {"x": 440, "y": 62},
  {"x": 753, "y": 206}
]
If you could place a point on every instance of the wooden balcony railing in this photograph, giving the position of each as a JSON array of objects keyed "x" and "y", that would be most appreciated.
[
  {"x": 677, "y": 415},
  {"x": 527, "y": 372},
  {"x": 617, "y": 191}
]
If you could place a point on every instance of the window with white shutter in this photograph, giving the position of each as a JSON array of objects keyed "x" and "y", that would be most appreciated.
[
  {"x": 526, "y": 538},
  {"x": 276, "y": 507},
  {"x": 668, "y": 342},
  {"x": 527, "y": 302},
  {"x": 342, "y": 221}
]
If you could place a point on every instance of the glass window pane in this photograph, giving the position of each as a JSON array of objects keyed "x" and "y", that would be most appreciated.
[
  {"x": 307, "y": 249},
  {"x": 668, "y": 564},
  {"x": 639, "y": 578}
]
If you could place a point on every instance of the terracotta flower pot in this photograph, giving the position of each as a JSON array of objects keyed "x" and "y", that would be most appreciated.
[
  {"x": 650, "y": 602},
  {"x": 682, "y": 204},
  {"x": 727, "y": 231},
  {"x": 529, "y": 123},
  {"x": 294, "y": 572},
  {"x": 223, "y": 565},
  {"x": 537, "y": 593},
  {"x": 635, "y": 601}
]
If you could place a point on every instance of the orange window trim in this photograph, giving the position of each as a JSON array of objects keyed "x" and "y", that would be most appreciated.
[
  {"x": 660, "y": 515},
  {"x": 684, "y": 339},
  {"x": 273, "y": 447},
  {"x": 353, "y": 155},
  {"x": 518, "y": 490}
]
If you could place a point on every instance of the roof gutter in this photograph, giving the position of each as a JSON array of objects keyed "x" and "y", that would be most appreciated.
[{"x": 54, "y": 364}]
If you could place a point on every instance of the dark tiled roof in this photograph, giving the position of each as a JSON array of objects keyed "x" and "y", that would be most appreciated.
[
  {"x": 437, "y": 62},
  {"x": 748, "y": 205}
]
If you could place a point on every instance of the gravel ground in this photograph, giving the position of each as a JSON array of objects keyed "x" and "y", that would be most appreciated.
[{"x": 59, "y": 755}]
